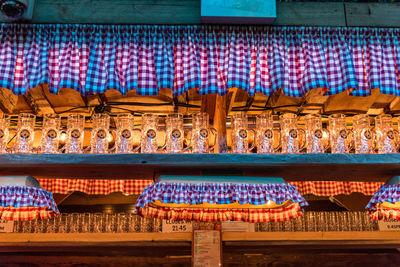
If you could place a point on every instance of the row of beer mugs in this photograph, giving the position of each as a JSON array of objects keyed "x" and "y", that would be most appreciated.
[
  {"x": 292, "y": 139},
  {"x": 289, "y": 138},
  {"x": 100, "y": 132}
]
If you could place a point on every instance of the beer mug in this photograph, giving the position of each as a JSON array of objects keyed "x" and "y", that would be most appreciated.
[
  {"x": 99, "y": 140},
  {"x": 50, "y": 133},
  {"x": 199, "y": 140},
  {"x": 265, "y": 135},
  {"x": 149, "y": 133},
  {"x": 174, "y": 136},
  {"x": 124, "y": 133},
  {"x": 363, "y": 135},
  {"x": 290, "y": 134},
  {"x": 75, "y": 133},
  {"x": 25, "y": 133},
  {"x": 339, "y": 135},
  {"x": 4, "y": 133},
  {"x": 239, "y": 134},
  {"x": 387, "y": 138},
  {"x": 315, "y": 133}
]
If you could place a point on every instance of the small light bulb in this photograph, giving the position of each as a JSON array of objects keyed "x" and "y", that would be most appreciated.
[
  {"x": 324, "y": 135},
  {"x": 63, "y": 136},
  {"x": 109, "y": 138}
]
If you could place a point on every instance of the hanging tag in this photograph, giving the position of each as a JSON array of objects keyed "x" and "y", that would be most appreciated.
[{"x": 6, "y": 226}]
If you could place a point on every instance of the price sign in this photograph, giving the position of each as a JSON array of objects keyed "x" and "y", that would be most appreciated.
[
  {"x": 206, "y": 248},
  {"x": 171, "y": 226},
  {"x": 389, "y": 225},
  {"x": 6, "y": 226}
]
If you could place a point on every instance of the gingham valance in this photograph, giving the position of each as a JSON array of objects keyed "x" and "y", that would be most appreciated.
[
  {"x": 94, "y": 58},
  {"x": 135, "y": 187}
]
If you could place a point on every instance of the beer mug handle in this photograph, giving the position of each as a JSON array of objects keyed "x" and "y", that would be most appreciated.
[
  {"x": 398, "y": 139},
  {"x": 279, "y": 140},
  {"x": 254, "y": 140},
  {"x": 374, "y": 140},
  {"x": 62, "y": 149},
  {"x": 188, "y": 145},
  {"x": 38, "y": 147},
  {"x": 136, "y": 149},
  {"x": 10, "y": 149},
  {"x": 352, "y": 143},
  {"x": 215, "y": 132},
  {"x": 304, "y": 140},
  {"x": 115, "y": 143},
  {"x": 165, "y": 144},
  {"x": 329, "y": 139}
]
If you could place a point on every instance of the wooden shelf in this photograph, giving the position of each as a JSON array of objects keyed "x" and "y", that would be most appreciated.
[
  {"x": 370, "y": 167},
  {"x": 377, "y": 238}
]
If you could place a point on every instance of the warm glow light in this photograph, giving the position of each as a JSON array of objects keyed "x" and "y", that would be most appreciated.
[
  {"x": 324, "y": 135},
  {"x": 63, "y": 136},
  {"x": 109, "y": 138}
]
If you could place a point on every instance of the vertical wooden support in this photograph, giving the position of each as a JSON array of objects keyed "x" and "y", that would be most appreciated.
[{"x": 216, "y": 106}]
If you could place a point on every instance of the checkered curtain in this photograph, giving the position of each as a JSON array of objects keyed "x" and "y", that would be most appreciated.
[
  {"x": 94, "y": 58},
  {"x": 135, "y": 187}
]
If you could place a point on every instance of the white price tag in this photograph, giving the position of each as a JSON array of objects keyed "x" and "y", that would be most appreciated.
[
  {"x": 389, "y": 225},
  {"x": 6, "y": 226},
  {"x": 171, "y": 226},
  {"x": 237, "y": 226}
]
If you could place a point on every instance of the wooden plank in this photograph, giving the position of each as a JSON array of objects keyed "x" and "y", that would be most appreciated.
[
  {"x": 188, "y": 12},
  {"x": 219, "y": 123},
  {"x": 117, "y": 11},
  {"x": 91, "y": 238},
  {"x": 343, "y": 103},
  {"x": 373, "y": 14},
  {"x": 310, "y": 14},
  {"x": 292, "y": 167}
]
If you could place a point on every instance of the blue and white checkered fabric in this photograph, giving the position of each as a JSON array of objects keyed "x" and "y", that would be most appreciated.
[{"x": 94, "y": 58}]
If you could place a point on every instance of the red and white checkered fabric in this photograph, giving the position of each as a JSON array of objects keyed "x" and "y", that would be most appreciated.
[
  {"x": 94, "y": 187},
  {"x": 25, "y": 213},
  {"x": 333, "y": 188},
  {"x": 218, "y": 215},
  {"x": 385, "y": 214},
  {"x": 135, "y": 187}
]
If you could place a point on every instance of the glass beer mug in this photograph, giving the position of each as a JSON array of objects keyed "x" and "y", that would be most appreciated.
[
  {"x": 75, "y": 133},
  {"x": 4, "y": 133},
  {"x": 99, "y": 135},
  {"x": 387, "y": 138},
  {"x": 50, "y": 133},
  {"x": 239, "y": 134},
  {"x": 149, "y": 133},
  {"x": 199, "y": 140},
  {"x": 339, "y": 135},
  {"x": 25, "y": 133},
  {"x": 290, "y": 134},
  {"x": 363, "y": 136},
  {"x": 315, "y": 134},
  {"x": 265, "y": 135},
  {"x": 124, "y": 133},
  {"x": 174, "y": 136}
]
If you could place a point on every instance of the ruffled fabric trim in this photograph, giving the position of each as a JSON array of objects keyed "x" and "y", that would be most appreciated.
[
  {"x": 385, "y": 214},
  {"x": 27, "y": 203},
  {"x": 26, "y": 213},
  {"x": 217, "y": 215},
  {"x": 219, "y": 193},
  {"x": 387, "y": 193}
]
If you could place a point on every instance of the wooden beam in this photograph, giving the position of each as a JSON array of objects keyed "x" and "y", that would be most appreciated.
[
  {"x": 373, "y": 14},
  {"x": 310, "y": 14},
  {"x": 188, "y": 12}
]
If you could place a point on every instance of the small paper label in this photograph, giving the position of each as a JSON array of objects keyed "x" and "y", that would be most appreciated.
[
  {"x": 171, "y": 226},
  {"x": 6, "y": 226},
  {"x": 238, "y": 226},
  {"x": 389, "y": 225}
]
